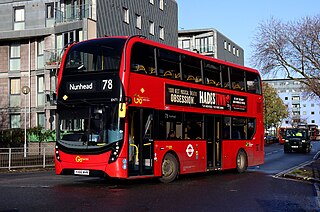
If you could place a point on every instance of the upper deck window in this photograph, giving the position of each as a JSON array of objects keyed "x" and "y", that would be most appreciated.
[
  {"x": 191, "y": 69},
  {"x": 253, "y": 83},
  {"x": 237, "y": 79},
  {"x": 142, "y": 59},
  {"x": 225, "y": 76},
  {"x": 150, "y": 60},
  {"x": 168, "y": 64},
  {"x": 211, "y": 72},
  {"x": 94, "y": 56}
]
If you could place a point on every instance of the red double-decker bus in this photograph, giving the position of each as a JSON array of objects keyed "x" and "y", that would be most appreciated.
[
  {"x": 281, "y": 135},
  {"x": 128, "y": 107}
]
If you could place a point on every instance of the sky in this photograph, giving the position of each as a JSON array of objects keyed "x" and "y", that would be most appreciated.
[{"x": 239, "y": 19}]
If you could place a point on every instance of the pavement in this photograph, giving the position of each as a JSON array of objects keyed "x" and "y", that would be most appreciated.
[{"x": 309, "y": 171}]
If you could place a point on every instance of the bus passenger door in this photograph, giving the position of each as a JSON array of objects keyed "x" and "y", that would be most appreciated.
[
  {"x": 140, "y": 142},
  {"x": 214, "y": 142}
]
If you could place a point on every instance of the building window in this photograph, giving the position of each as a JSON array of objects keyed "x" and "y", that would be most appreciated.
[
  {"x": 15, "y": 57},
  {"x": 304, "y": 113},
  {"x": 296, "y": 105},
  {"x": 161, "y": 29},
  {"x": 151, "y": 27},
  {"x": 238, "y": 53},
  {"x": 296, "y": 113},
  {"x": 312, "y": 105},
  {"x": 211, "y": 43},
  {"x": 14, "y": 100},
  {"x": 204, "y": 44},
  {"x": 151, "y": 1},
  {"x": 18, "y": 18},
  {"x": 296, "y": 98},
  {"x": 15, "y": 121},
  {"x": 49, "y": 10},
  {"x": 41, "y": 120},
  {"x": 313, "y": 121},
  {"x": 53, "y": 83},
  {"x": 40, "y": 91},
  {"x": 50, "y": 15},
  {"x": 161, "y": 4},
  {"x": 138, "y": 21},
  {"x": 126, "y": 15},
  {"x": 286, "y": 98},
  {"x": 185, "y": 44},
  {"x": 229, "y": 47},
  {"x": 15, "y": 86},
  {"x": 225, "y": 45},
  {"x": 312, "y": 112},
  {"x": 40, "y": 57},
  {"x": 234, "y": 50}
]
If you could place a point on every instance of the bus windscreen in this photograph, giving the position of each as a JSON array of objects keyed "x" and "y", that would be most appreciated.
[{"x": 94, "y": 56}]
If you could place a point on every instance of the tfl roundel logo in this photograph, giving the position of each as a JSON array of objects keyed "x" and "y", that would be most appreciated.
[{"x": 190, "y": 150}]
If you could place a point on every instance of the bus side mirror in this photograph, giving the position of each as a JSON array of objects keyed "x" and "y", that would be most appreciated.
[{"x": 122, "y": 110}]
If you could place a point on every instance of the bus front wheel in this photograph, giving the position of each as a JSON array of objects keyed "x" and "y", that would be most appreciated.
[
  {"x": 169, "y": 168},
  {"x": 242, "y": 162}
]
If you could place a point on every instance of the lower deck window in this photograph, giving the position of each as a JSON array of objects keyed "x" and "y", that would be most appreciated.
[{"x": 177, "y": 125}]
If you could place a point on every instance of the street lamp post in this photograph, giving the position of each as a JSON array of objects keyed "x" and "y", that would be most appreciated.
[{"x": 25, "y": 91}]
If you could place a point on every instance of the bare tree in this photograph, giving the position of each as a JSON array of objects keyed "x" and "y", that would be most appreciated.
[{"x": 290, "y": 49}]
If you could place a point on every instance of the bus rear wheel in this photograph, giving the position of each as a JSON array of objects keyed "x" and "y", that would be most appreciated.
[
  {"x": 242, "y": 162},
  {"x": 169, "y": 168}
]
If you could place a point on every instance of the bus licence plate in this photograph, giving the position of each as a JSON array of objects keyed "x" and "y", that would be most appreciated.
[
  {"x": 295, "y": 147},
  {"x": 81, "y": 172}
]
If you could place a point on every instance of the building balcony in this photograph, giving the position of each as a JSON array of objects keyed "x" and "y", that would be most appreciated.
[
  {"x": 73, "y": 13},
  {"x": 296, "y": 109},
  {"x": 52, "y": 58}
]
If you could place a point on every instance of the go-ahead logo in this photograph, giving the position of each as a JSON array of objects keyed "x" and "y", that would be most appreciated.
[
  {"x": 190, "y": 150},
  {"x": 80, "y": 159}
]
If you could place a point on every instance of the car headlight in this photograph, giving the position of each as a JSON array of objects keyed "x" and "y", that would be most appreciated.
[
  {"x": 303, "y": 141},
  {"x": 286, "y": 140}
]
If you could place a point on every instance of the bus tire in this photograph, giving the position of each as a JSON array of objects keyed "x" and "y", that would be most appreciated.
[
  {"x": 169, "y": 168},
  {"x": 241, "y": 161}
]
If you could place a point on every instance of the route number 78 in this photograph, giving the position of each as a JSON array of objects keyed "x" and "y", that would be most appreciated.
[{"x": 107, "y": 84}]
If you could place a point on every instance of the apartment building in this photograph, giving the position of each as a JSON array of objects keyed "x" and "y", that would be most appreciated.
[
  {"x": 155, "y": 19},
  {"x": 302, "y": 110},
  {"x": 212, "y": 43},
  {"x": 34, "y": 33}
]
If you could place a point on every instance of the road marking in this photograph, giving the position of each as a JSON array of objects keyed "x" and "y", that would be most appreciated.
[
  {"x": 291, "y": 169},
  {"x": 273, "y": 152}
]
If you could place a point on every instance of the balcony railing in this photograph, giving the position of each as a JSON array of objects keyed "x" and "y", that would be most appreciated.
[
  {"x": 52, "y": 57},
  {"x": 73, "y": 13}
]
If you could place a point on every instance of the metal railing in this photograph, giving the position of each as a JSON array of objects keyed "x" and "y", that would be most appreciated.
[
  {"x": 73, "y": 13},
  {"x": 13, "y": 158},
  {"x": 52, "y": 57}
]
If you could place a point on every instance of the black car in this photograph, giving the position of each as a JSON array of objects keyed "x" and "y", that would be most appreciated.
[{"x": 297, "y": 140}]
